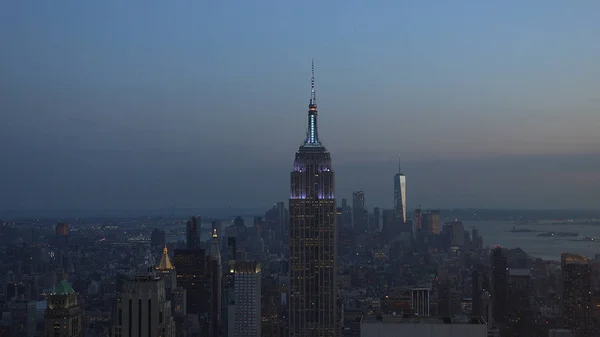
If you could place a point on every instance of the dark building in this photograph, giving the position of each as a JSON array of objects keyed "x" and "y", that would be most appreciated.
[
  {"x": 521, "y": 314},
  {"x": 22, "y": 315},
  {"x": 478, "y": 285},
  {"x": 313, "y": 293},
  {"x": 376, "y": 219},
  {"x": 191, "y": 273},
  {"x": 216, "y": 275},
  {"x": 448, "y": 300},
  {"x": 346, "y": 216},
  {"x": 192, "y": 235},
  {"x": 339, "y": 217},
  {"x": 196, "y": 274},
  {"x": 388, "y": 220},
  {"x": 276, "y": 220},
  {"x": 577, "y": 294},
  {"x": 359, "y": 213},
  {"x": 158, "y": 238},
  {"x": 499, "y": 285}
]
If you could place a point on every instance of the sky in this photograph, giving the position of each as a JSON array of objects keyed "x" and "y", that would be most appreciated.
[{"x": 141, "y": 104}]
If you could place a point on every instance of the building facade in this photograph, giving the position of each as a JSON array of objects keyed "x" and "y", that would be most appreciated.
[
  {"x": 577, "y": 294},
  {"x": 64, "y": 315},
  {"x": 312, "y": 206},
  {"x": 192, "y": 235},
  {"x": 142, "y": 308},
  {"x": 420, "y": 301},
  {"x": 22, "y": 316},
  {"x": 359, "y": 212},
  {"x": 400, "y": 195},
  {"x": 247, "y": 311},
  {"x": 499, "y": 287}
]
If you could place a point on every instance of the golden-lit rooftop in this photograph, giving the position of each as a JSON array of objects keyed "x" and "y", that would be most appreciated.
[{"x": 165, "y": 261}]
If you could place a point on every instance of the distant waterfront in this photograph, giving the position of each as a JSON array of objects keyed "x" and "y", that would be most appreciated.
[
  {"x": 547, "y": 248},
  {"x": 497, "y": 233}
]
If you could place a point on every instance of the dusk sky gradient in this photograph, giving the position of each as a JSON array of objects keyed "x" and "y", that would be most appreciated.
[{"x": 140, "y": 104}]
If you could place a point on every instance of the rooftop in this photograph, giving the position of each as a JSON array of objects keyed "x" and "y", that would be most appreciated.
[
  {"x": 165, "y": 261},
  {"x": 412, "y": 319},
  {"x": 519, "y": 272},
  {"x": 63, "y": 288}
]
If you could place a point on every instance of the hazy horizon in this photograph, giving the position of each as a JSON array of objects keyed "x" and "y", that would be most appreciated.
[{"x": 112, "y": 105}]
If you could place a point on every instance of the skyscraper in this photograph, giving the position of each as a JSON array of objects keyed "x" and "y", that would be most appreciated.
[
  {"x": 142, "y": 308},
  {"x": 247, "y": 299},
  {"x": 431, "y": 221},
  {"x": 192, "y": 236},
  {"x": 313, "y": 295},
  {"x": 216, "y": 274},
  {"x": 376, "y": 218},
  {"x": 576, "y": 293},
  {"x": 400, "y": 195},
  {"x": 63, "y": 316},
  {"x": 359, "y": 214},
  {"x": 499, "y": 285}
]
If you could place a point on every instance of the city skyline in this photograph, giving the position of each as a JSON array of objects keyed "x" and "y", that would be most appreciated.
[{"x": 153, "y": 110}]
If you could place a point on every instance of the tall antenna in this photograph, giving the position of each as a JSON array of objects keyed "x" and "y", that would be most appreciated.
[
  {"x": 313, "y": 94},
  {"x": 399, "y": 166}
]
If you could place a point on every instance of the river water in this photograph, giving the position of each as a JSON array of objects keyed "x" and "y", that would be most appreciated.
[{"x": 548, "y": 248}]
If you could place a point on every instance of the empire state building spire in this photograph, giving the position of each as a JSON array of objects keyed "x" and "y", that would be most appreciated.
[
  {"x": 312, "y": 135},
  {"x": 313, "y": 94}
]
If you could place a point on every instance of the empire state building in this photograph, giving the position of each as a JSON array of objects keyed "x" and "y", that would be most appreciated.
[{"x": 313, "y": 291}]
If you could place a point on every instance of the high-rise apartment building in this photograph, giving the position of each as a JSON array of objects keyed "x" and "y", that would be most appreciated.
[
  {"x": 577, "y": 294},
  {"x": 313, "y": 292},
  {"x": 64, "y": 315},
  {"x": 247, "y": 310},
  {"x": 192, "y": 235},
  {"x": 359, "y": 213},
  {"x": 142, "y": 308},
  {"x": 400, "y": 195}
]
